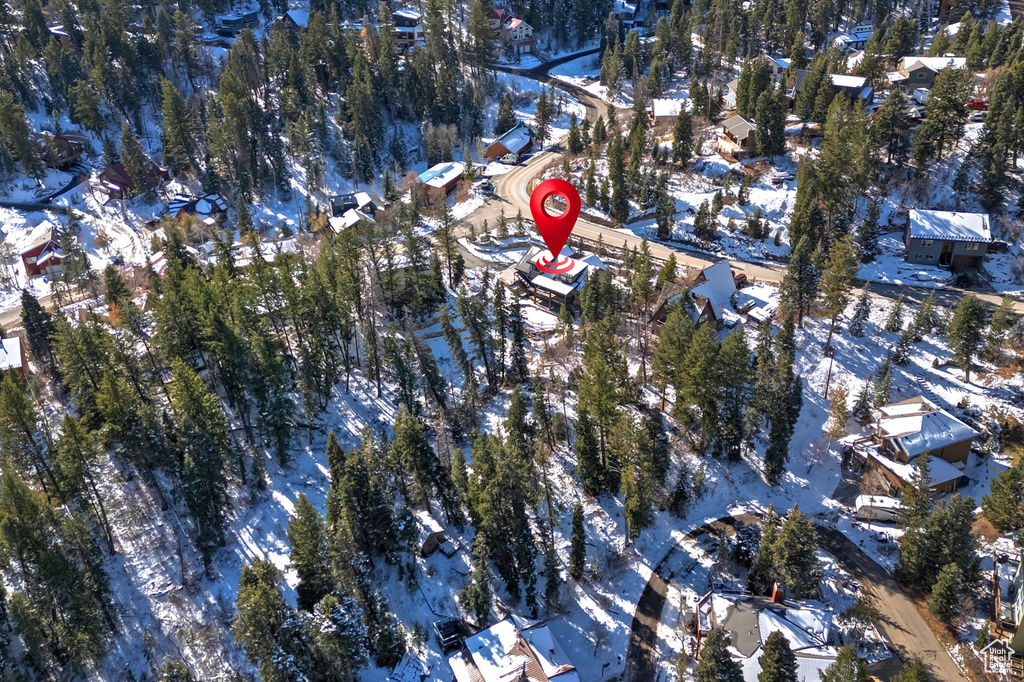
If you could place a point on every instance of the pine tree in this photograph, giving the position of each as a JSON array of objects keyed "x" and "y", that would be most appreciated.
[
  {"x": 1004, "y": 505},
  {"x": 203, "y": 444},
  {"x": 796, "y": 555},
  {"x": 861, "y": 412},
  {"x": 136, "y": 163},
  {"x": 947, "y": 595},
  {"x": 716, "y": 663},
  {"x": 770, "y": 134},
  {"x": 578, "y": 555},
  {"x": 14, "y": 137},
  {"x": 838, "y": 278},
  {"x": 848, "y": 667},
  {"x": 894, "y": 323},
  {"x": 506, "y": 119},
  {"x": 778, "y": 663},
  {"x": 477, "y": 595},
  {"x": 588, "y": 455},
  {"x": 860, "y": 312},
  {"x": 883, "y": 383},
  {"x": 265, "y": 626},
  {"x": 39, "y": 329},
  {"x": 800, "y": 283},
  {"x": 867, "y": 235},
  {"x": 682, "y": 138},
  {"x": 307, "y": 535},
  {"x": 966, "y": 333},
  {"x": 575, "y": 140},
  {"x": 914, "y": 672},
  {"x": 915, "y": 502},
  {"x": 763, "y": 570}
]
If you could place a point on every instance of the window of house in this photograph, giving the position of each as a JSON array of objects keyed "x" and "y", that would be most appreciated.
[
  {"x": 926, "y": 242},
  {"x": 971, "y": 247},
  {"x": 921, "y": 75},
  {"x": 931, "y": 257}
]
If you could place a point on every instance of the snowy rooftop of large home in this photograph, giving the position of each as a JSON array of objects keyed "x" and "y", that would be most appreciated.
[
  {"x": 667, "y": 107},
  {"x": 349, "y": 218},
  {"x": 516, "y": 139},
  {"x": 843, "y": 81},
  {"x": 960, "y": 227},
  {"x": 781, "y": 62},
  {"x": 919, "y": 433},
  {"x": 441, "y": 174},
  {"x": 858, "y": 37},
  {"x": 939, "y": 470},
  {"x": 505, "y": 650},
  {"x": 718, "y": 286},
  {"x": 407, "y": 14},
  {"x": 10, "y": 353},
  {"x": 934, "y": 63},
  {"x": 806, "y": 625}
]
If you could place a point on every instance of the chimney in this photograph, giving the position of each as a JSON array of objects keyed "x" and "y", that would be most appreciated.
[{"x": 778, "y": 593}]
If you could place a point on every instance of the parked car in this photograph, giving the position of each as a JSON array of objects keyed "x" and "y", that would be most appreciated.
[
  {"x": 510, "y": 158},
  {"x": 739, "y": 278},
  {"x": 486, "y": 186},
  {"x": 977, "y": 105},
  {"x": 977, "y": 117}
]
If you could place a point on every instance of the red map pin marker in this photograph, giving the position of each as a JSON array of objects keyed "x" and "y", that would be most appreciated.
[{"x": 555, "y": 229}]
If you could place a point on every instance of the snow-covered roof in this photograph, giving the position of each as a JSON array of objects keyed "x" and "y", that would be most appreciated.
[
  {"x": 960, "y": 227},
  {"x": 502, "y": 650},
  {"x": 858, "y": 37},
  {"x": 920, "y": 433},
  {"x": 843, "y": 81},
  {"x": 940, "y": 471},
  {"x": 516, "y": 139},
  {"x": 806, "y": 628},
  {"x": 10, "y": 353},
  {"x": 551, "y": 284},
  {"x": 718, "y": 286},
  {"x": 299, "y": 16},
  {"x": 349, "y": 218},
  {"x": 407, "y": 14},
  {"x": 934, "y": 63},
  {"x": 808, "y": 668},
  {"x": 441, "y": 174},
  {"x": 667, "y": 107},
  {"x": 896, "y": 77},
  {"x": 877, "y": 501},
  {"x": 781, "y": 62}
]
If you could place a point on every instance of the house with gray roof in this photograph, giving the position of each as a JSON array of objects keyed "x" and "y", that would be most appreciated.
[{"x": 949, "y": 239}]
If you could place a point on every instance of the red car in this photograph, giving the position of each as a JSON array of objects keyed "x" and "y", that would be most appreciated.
[
  {"x": 739, "y": 278},
  {"x": 977, "y": 105}
]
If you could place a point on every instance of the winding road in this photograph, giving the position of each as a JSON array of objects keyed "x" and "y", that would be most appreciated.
[
  {"x": 908, "y": 634},
  {"x": 512, "y": 192}
]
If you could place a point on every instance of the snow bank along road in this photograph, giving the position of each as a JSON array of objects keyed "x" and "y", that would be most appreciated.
[
  {"x": 513, "y": 193},
  {"x": 909, "y": 636}
]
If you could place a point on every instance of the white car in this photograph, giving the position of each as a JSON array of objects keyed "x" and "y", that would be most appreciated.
[{"x": 510, "y": 158}]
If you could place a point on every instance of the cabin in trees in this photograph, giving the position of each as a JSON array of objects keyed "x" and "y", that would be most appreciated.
[
  {"x": 949, "y": 239},
  {"x": 665, "y": 110},
  {"x": 359, "y": 201},
  {"x": 408, "y": 30},
  {"x": 750, "y": 619},
  {"x": 230, "y": 25},
  {"x": 57, "y": 151},
  {"x": 295, "y": 19},
  {"x": 736, "y": 137},
  {"x": 43, "y": 257},
  {"x": 115, "y": 180},
  {"x": 518, "y": 140},
  {"x": 438, "y": 181},
  {"x": 520, "y": 34},
  {"x": 919, "y": 72},
  {"x": 854, "y": 40},
  {"x": 906, "y": 430},
  {"x": 854, "y": 88},
  {"x": 777, "y": 64},
  {"x": 512, "y": 649},
  {"x": 706, "y": 300},
  {"x": 12, "y": 356},
  {"x": 207, "y": 207},
  {"x": 552, "y": 291}
]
